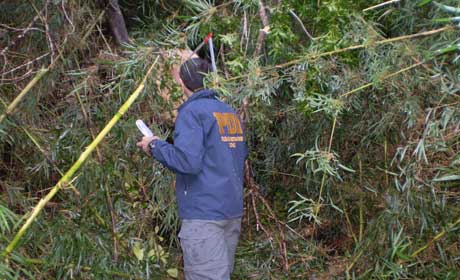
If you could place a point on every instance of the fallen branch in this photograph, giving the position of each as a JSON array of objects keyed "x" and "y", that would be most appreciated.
[{"x": 69, "y": 174}]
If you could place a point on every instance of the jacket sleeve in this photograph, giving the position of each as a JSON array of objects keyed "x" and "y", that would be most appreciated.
[{"x": 186, "y": 155}]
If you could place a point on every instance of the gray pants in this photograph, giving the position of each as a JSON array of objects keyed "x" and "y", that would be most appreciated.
[{"x": 209, "y": 248}]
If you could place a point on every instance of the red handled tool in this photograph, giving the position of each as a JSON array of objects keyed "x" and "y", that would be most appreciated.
[{"x": 207, "y": 39}]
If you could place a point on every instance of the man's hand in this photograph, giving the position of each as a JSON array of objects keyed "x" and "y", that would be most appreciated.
[{"x": 144, "y": 143}]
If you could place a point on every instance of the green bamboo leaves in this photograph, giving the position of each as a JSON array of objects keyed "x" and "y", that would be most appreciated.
[{"x": 68, "y": 176}]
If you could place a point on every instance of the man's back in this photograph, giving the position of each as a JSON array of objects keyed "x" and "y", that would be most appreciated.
[{"x": 208, "y": 157}]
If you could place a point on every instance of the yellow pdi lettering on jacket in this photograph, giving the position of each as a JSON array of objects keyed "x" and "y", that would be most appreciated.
[{"x": 229, "y": 121}]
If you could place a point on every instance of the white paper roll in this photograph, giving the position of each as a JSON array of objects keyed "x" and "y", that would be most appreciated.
[{"x": 144, "y": 128}]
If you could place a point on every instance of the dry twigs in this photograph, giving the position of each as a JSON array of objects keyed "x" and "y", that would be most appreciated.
[
  {"x": 25, "y": 30},
  {"x": 254, "y": 191},
  {"x": 41, "y": 73}
]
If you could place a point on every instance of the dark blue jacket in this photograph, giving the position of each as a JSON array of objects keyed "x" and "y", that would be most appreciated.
[{"x": 208, "y": 157}]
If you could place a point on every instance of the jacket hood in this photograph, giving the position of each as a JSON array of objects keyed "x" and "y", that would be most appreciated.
[{"x": 204, "y": 93}]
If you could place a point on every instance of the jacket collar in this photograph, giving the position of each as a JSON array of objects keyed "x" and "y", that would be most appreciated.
[{"x": 204, "y": 93}]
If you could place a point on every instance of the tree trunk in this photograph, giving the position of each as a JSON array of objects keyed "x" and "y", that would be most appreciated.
[{"x": 117, "y": 22}]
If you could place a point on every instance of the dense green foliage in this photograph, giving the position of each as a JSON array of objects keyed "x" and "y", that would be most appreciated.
[{"x": 357, "y": 151}]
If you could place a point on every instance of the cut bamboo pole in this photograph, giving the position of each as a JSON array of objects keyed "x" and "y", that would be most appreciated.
[
  {"x": 24, "y": 92},
  {"x": 67, "y": 178}
]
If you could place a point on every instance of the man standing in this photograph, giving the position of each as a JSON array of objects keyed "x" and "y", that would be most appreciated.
[{"x": 208, "y": 158}]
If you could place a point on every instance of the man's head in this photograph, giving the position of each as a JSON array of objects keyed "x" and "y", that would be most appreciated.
[{"x": 192, "y": 73}]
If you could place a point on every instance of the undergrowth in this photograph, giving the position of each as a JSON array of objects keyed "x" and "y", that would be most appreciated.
[{"x": 354, "y": 139}]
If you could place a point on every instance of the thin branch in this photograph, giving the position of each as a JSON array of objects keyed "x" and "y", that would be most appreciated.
[
  {"x": 362, "y": 46},
  {"x": 381, "y": 5},
  {"x": 302, "y": 25},
  {"x": 48, "y": 34},
  {"x": 256, "y": 214},
  {"x": 25, "y": 64},
  {"x": 66, "y": 15},
  {"x": 15, "y": 80},
  {"x": 21, "y": 29}
]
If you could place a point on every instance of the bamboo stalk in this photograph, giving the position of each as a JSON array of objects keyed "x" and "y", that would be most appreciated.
[
  {"x": 24, "y": 92},
  {"x": 68, "y": 175},
  {"x": 323, "y": 180},
  {"x": 262, "y": 32},
  {"x": 356, "y": 47},
  {"x": 347, "y": 219},
  {"x": 436, "y": 238},
  {"x": 382, "y": 79},
  {"x": 362, "y": 46},
  {"x": 355, "y": 259}
]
